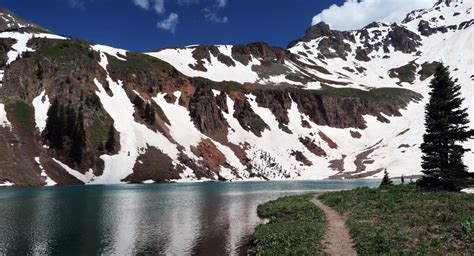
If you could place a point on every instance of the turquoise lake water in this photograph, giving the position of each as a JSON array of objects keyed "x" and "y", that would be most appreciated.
[{"x": 154, "y": 219}]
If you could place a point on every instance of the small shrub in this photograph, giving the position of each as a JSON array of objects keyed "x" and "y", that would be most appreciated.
[{"x": 467, "y": 229}]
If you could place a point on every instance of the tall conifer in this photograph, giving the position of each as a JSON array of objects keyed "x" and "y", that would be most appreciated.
[{"x": 446, "y": 128}]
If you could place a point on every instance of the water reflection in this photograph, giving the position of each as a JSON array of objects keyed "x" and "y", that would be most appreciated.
[{"x": 168, "y": 219}]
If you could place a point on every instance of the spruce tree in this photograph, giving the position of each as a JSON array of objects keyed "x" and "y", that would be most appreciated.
[
  {"x": 110, "y": 144},
  {"x": 78, "y": 139},
  {"x": 446, "y": 125},
  {"x": 386, "y": 181},
  {"x": 51, "y": 122},
  {"x": 59, "y": 128},
  {"x": 151, "y": 115},
  {"x": 70, "y": 120}
]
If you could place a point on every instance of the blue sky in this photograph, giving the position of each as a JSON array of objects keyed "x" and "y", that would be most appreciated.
[{"x": 142, "y": 25}]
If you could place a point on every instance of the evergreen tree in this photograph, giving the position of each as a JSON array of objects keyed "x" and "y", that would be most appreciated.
[
  {"x": 386, "y": 181},
  {"x": 78, "y": 139},
  {"x": 138, "y": 102},
  {"x": 70, "y": 120},
  {"x": 446, "y": 127},
  {"x": 110, "y": 144},
  {"x": 149, "y": 113},
  {"x": 51, "y": 122},
  {"x": 101, "y": 147}
]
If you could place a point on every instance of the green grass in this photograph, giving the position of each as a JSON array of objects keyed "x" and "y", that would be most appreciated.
[
  {"x": 403, "y": 220},
  {"x": 377, "y": 94},
  {"x": 97, "y": 133},
  {"x": 22, "y": 113},
  {"x": 66, "y": 52},
  {"x": 138, "y": 62},
  {"x": 296, "y": 227}
]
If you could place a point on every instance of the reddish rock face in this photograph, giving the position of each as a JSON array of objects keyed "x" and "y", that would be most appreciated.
[
  {"x": 313, "y": 148},
  {"x": 330, "y": 143},
  {"x": 356, "y": 135},
  {"x": 210, "y": 156},
  {"x": 300, "y": 157},
  {"x": 205, "y": 112},
  {"x": 153, "y": 165},
  {"x": 247, "y": 118}
]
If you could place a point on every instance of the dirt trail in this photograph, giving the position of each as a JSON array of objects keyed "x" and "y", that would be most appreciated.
[{"x": 337, "y": 239}]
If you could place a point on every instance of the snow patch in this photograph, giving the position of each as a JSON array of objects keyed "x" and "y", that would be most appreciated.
[
  {"x": 6, "y": 184},
  {"x": 86, "y": 178},
  {"x": 468, "y": 190},
  {"x": 115, "y": 52},
  {"x": 3, "y": 118},
  {"x": 41, "y": 105},
  {"x": 2, "y": 73},
  {"x": 21, "y": 43},
  {"x": 48, "y": 180}
]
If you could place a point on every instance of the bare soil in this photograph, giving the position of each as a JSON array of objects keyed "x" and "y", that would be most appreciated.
[{"x": 337, "y": 239}]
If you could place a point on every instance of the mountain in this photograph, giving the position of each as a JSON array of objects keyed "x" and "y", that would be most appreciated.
[
  {"x": 334, "y": 104},
  {"x": 10, "y": 21}
]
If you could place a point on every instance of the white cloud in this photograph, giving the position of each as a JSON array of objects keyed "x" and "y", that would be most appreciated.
[
  {"x": 221, "y": 3},
  {"x": 142, "y": 3},
  {"x": 215, "y": 18},
  {"x": 169, "y": 23},
  {"x": 211, "y": 12},
  {"x": 355, "y": 14},
  {"x": 157, "y": 5}
]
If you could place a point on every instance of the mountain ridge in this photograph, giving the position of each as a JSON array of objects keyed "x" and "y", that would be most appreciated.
[{"x": 338, "y": 104}]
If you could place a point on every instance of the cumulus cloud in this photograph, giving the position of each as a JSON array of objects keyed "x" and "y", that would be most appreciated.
[
  {"x": 215, "y": 18},
  {"x": 355, "y": 14},
  {"x": 169, "y": 23},
  {"x": 157, "y": 5},
  {"x": 142, "y": 4},
  {"x": 211, "y": 12}
]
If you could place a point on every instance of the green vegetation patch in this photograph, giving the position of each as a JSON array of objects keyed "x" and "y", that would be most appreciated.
[
  {"x": 22, "y": 113},
  {"x": 377, "y": 94},
  {"x": 138, "y": 62},
  {"x": 399, "y": 220},
  {"x": 296, "y": 227},
  {"x": 71, "y": 52},
  {"x": 97, "y": 133}
]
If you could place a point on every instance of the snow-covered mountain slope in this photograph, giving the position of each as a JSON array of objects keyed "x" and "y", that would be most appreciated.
[
  {"x": 335, "y": 104},
  {"x": 379, "y": 55}
]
